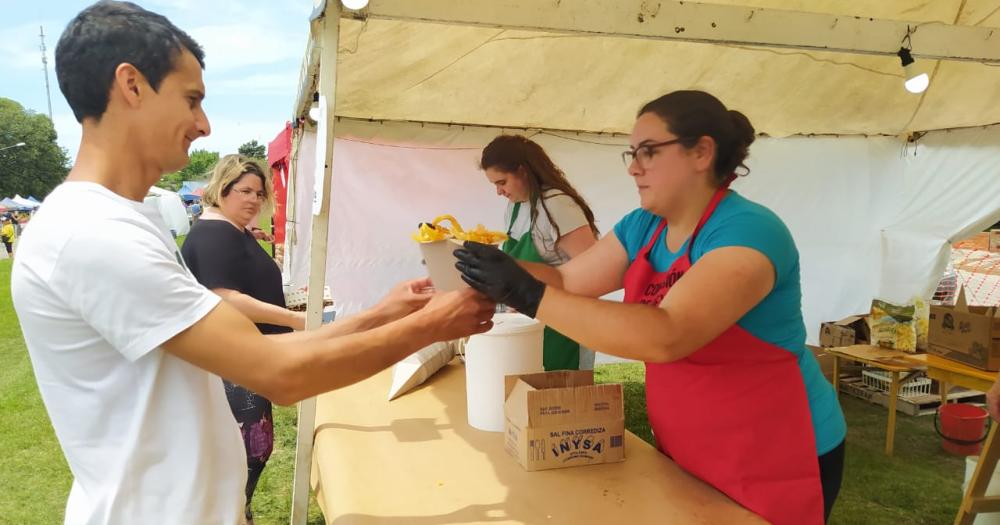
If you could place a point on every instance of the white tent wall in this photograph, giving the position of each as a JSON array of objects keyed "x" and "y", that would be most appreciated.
[
  {"x": 298, "y": 229},
  {"x": 868, "y": 221},
  {"x": 951, "y": 190}
]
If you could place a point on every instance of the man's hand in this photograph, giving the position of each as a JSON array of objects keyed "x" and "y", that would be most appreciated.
[
  {"x": 993, "y": 401},
  {"x": 499, "y": 277},
  {"x": 405, "y": 298},
  {"x": 453, "y": 315}
]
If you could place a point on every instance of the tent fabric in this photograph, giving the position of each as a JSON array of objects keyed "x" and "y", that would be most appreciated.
[
  {"x": 298, "y": 228},
  {"x": 191, "y": 190},
  {"x": 278, "y": 151},
  {"x": 872, "y": 217},
  {"x": 11, "y": 204},
  {"x": 426, "y": 72},
  {"x": 25, "y": 203},
  {"x": 171, "y": 208}
]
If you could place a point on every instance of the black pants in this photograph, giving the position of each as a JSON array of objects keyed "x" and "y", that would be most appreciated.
[
  {"x": 10, "y": 247},
  {"x": 831, "y": 473},
  {"x": 253, "y": 414}
]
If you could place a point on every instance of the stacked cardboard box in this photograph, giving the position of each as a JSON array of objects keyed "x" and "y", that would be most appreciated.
[
  {"x": 848, "y": 331},
  {"x": 968, "y": 334}
]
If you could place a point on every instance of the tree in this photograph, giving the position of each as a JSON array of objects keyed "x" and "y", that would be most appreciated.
[
  {"x": 38, "y": 166},
  {"x": 253, "y": 150},
  {"x": 199, "y": 167}
]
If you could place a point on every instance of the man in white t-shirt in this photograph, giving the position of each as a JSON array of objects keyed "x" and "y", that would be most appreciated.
[{"x": 126, "y": 346}]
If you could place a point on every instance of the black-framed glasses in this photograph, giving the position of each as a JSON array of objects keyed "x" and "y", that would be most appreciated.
[{"x": 644, "y": 153}]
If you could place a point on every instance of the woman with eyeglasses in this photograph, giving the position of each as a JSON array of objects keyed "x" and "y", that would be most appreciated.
[
  {"x": 712, "y": 306},
  {"x": 223, "y": 255},
  {"x": 547, "y": 222}
]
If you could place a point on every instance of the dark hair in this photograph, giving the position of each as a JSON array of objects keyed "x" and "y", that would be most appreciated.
[
  {"x": 694, "y": 114},
  {"x": 110, "y": 33},
  {"x": 508, "y": 153}
]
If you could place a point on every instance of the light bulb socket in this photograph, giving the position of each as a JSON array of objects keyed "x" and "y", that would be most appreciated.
[{"x": 904, "y": 56}]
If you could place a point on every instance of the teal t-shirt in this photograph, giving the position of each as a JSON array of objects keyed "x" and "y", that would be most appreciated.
[{"x": 778, "y": 318}]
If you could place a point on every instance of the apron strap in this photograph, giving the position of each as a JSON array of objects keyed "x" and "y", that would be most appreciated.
[
  {"x": 652, "y": 241},
  {"x": 709, "y": 210},
  {"x": 513, "y": 217}
]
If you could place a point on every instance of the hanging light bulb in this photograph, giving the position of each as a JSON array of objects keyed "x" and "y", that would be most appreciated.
[
  {"x": 314, "y": 111},
  {"x": 355, "y": 4},
  {"x": 916, "y": 81}
]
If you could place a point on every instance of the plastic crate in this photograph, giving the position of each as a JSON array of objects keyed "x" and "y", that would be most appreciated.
[
  {"x": 882, "y": 380},
  {"x": 296, "y": 299}
]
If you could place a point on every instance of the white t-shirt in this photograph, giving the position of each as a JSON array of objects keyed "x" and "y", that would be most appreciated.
[
  {"x": 565, "y": 212},
  {"x": 98, "y": 285}
]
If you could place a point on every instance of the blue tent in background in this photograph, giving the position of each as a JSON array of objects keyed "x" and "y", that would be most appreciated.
[
  {"x": 191, "y": 190},
  {"x": 34, "y": 200}
]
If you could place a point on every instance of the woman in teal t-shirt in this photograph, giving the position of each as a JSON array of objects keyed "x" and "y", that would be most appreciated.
[{"x": 712, "y": 306}]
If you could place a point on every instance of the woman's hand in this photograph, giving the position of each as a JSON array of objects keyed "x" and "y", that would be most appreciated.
[
  {"x": 261, "y": 235},
  {"x": 498, "y": 276}
]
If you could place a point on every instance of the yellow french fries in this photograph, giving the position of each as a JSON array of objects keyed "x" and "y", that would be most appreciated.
[
  {"x": 435, "y": 231},
  {"x": 429, "y": 233},
  {"x": 481, "y": 234}
]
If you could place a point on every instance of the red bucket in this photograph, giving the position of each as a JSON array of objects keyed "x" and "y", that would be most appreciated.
[{"x": 962, "y": 428}]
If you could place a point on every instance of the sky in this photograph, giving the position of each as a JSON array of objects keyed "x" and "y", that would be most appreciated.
[{"x": 253, "y": 53}]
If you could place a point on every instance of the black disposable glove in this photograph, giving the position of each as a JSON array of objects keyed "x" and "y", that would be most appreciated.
[{"x": 498, "y": 276}]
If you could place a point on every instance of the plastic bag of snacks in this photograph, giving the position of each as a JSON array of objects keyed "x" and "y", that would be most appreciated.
[
  {"x": 922, "y": 315},
  {"x": 893, "y": 326}
]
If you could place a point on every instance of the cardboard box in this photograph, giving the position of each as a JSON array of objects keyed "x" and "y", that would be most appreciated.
[
  {"x": 994, "y": 241},
  {"x": 848, "y": 331},
  {"x": 825, "y": 361},
  {"x": 562, "y": 419},
  {"x": 968, "y": 334}
]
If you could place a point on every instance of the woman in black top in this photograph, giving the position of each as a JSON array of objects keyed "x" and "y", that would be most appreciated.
[{"x": 224, "y": 256}]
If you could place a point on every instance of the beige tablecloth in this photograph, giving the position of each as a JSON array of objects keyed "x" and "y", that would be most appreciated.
[{"x": 416, "y": 461}]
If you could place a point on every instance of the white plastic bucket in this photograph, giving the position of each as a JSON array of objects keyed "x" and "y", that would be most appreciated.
[
  {"x": 992, "y": 489},
  {"x": 440, "y": 261},
  {"x": 512, "y": 346}
]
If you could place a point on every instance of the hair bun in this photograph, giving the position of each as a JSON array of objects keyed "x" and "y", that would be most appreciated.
[{"x": 745, "y": 133}]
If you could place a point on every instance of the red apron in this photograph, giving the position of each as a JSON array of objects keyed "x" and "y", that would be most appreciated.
[{"x": 735, "y": 412}]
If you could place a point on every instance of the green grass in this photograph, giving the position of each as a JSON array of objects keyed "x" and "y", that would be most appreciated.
[
  {"x": 34, "y": 478},
  {"x": 920, "y": 484}
]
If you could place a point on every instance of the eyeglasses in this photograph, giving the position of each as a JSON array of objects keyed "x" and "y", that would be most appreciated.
[
  {"x": 644, "y": 153},
  {"x": 251, "y": 195}
]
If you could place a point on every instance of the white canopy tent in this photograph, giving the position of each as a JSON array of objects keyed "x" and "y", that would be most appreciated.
[
  {"x": 171, "y": 208},
  {"x": 418, "y": 88},
  {"x": 25, "y": 203}
]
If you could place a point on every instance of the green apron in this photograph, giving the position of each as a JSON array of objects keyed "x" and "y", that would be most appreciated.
[{"x": 560, "y": 352}]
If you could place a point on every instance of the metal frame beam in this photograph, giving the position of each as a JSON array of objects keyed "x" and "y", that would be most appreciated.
[{"x": 329, "y": 29}]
